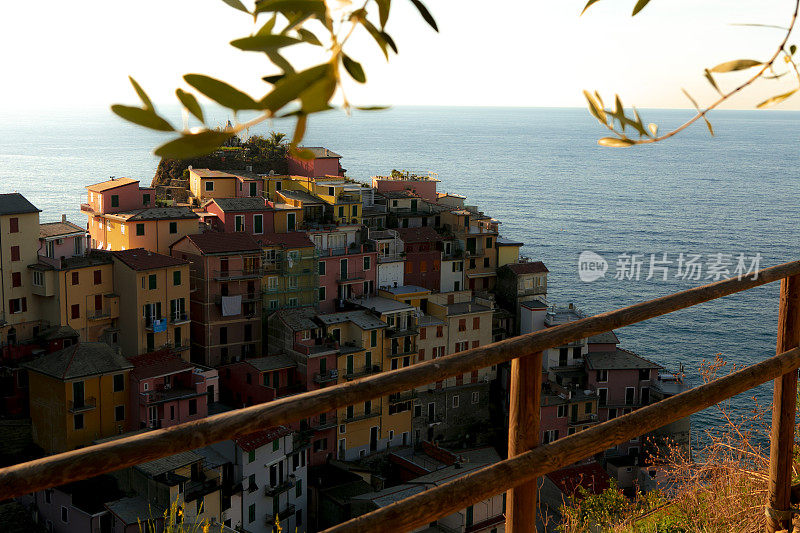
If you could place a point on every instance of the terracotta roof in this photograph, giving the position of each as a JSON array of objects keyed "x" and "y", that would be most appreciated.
[
  {"x": 534, "y": 267},
  {"x": 618, "y": 359},
  {"x": 293, "y": 239},
  {"x": 271, "y": 362},
  {"x": 80, "y": 360},
  {"x": 206, "y": 173},
  {"x": 320, "y": 152},
  {"x": 213, "y": 242},
  {"x": 141, "y": 259},
  {"x": 14, "y": 203},
  {"x": 422, "y": 234},
  {"x": 163, "y": 213},
  {"x": 111, "y": 184},
  {"x": 591, "y": 477},
  {"x": 258, "y": 439},
  {"x": 399, "y": 194},
  {"x": 252, "y": 203},
  {"x": 56, "y": 229},
  {"x": 156, "y": 364},
  {"x": 607, "y": 337}
]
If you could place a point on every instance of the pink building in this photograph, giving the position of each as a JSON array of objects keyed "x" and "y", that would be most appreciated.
[
  {"x": 422, "y": 186},
  {"x": 118, "y": 195},
  {"x": 61, "y": 240},
  {"x": 325, "y": 163},
  {"x": 423, "y": 258},
  {"x": 259, "y": 380},
  {"x": 250, "y": 215},
  {"x": 350, "y": 273},
  {"x": 249, "y": 185},
  {"x": 166, "y": 390},
  {"x": 225, "y": 304}
]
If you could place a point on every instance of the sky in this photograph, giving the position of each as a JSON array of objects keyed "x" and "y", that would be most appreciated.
[{"x": 488, "y": 53}]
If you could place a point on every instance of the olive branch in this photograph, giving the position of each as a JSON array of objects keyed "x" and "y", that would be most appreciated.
[
  {"x": 294, "y": 93},
  {"x": 617, "y": 120}
]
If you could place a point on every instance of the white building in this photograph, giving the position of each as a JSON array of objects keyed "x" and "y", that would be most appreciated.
[
  {"x": 390, "y": 258},
  {"x": 273, "y": 474}
]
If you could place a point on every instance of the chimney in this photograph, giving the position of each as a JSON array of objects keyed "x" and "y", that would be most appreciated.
[{"x": 63, "y": 219}]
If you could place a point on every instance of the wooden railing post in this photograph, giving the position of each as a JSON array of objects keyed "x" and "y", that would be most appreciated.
[
  {"x": 523, "y": 435},
  {"x": 783, "y": 412}
]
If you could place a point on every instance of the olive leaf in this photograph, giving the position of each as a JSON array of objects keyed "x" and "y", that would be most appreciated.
[
  {"x": 310, "y": 7},
  {"x": 737, "y": 64},
  {"x": 290, "y": 86},
  {"x": 383, "y": 11},
  {"x": 595, "y": 109},
  {"x": 221, "y": 92},
  {"x": 639, "y": 6},
  {"x": 193, "y": 144},
  {"x": 354, "y": 69},
  {"x": 190, "y": 103},
  {"x": 615, "y": 142},
  {"x": 143, "y": 117},
  {"x": 142, "y": 95},
  {"x": 711, "y": 80},
  {"x": 776, "y": 99},
  {"x": 425, "y": 14},
  {"x": 264, "y": 42}
]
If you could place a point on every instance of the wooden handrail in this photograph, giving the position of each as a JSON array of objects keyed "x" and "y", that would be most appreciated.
[
  {"x": 443, "y": 500},
  {"x": 70, "y": 466}
]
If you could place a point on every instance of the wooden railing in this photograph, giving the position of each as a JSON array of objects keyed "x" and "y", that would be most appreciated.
[{"x": 526, "y": 461}]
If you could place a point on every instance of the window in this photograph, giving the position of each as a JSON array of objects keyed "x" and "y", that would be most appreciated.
[
  {"x": 251, "y": 456},
  {"x": 470, "y": 516},
  {"x": 321, "y": 294},
  {"x": 151, "y": 282},
  {"x": 439, "y": 331},
  {"x": 276, "y": 444},
  {"x": 75, "y": 311},
  {"x": 366, "y": 262},
  {"x": 476, "y": 322},
  {"x": 423, "y": 266},
  {"x": 258, "y": 223},
  {"x": 139, "y": 230},
  {"x": 630, "y": 395},
  {"x": 550, "y": 435},
  {"x": 209, "y": 186},
  {"x": 373, "y": 338},
  {"x": 119, "y": 382},
  {"x": 341, "y": 211},
  {"x": 462, "y": 324},
  {"x": 121, "y": 229},
  {"x": 13, "y": 225},
  {"x": 239, "y": 223},
  {"x": 292, "y": 302},
  {"x": 290, "y": 222},
  {"x": 193, "y": 406},
  {"x": 17, "y": 305},
  {"x": 455, "y": 401},
  {"x": 173, "y": 227},
  {"x": 409, "y": 267},
  {"x": 64, "y": 514},
  {"x": 16, "y": 279},
  {"x": 488, "y": 242},
  {"x": 588, "y": 408},
  {"x": 119, "y": 413},
  {"x": 342, "y": 428},
  {"x": 476, "y": 396},
  {"x": 98, "y": 277},
  {"x": 145, "y": 199},
  {"x": 602, "y": 376},
  {"x": 176, "y": 277},
  {"x": 251, "y": 513},
  {"x": 486, "y": 262},
  {"x": 75, "y": 278},
  {"x": 38, "y": 278},
  {"x": 322, "y": 268},
  {"x": 602, "y": 397},
  {"x": 272, "y": 283},
  {"x": 77, "y": 421},
  {"x": 114, "y": 200},
  {"x": 422, "y": 333},
  {"x": 562, "y": 411},
  {"x": 15, "y": 253}
]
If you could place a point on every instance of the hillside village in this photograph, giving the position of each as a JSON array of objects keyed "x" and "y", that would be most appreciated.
[{"x": 226, "y": 289}]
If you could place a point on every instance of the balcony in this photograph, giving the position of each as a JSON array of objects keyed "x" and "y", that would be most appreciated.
[
  {"x": 244, "y": 273},
  {"x": 87, "y": 208},
  {"x": 360, "y": 416},
  {"x": 319, "y": 346},
  {"x": 86, "y": 405},
  {"x": 195, "y": 489},
  {"x": 400, "y": 397},
  {"x": 283, "y": 515},
  {"x": 363, "y": 371},
  {"x": 400, "y": 332},
  {"x": 330, "y": 421},
  {"x": 285, "y": 485},
  {"x": 350, "y": 277},
  {"x": 166, "y": 395},
  {"x": 403, "y": 353},
  {"x": 326, "y": 377},
  {"x": 179, "y": 318},
  {"x": 98, "y": 314},
  {"x": 581, "y": 421},
  {"x": 254, "y": 296}
]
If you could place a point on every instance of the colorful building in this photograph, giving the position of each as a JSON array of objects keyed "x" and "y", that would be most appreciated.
[
  {"x": 259, "y": 380},
  {"x": 291, "y": 276},
  {"x": 324, "y": 163},
  {"x": 153, "y": 229},
  {"x": 423, "y": 261},
  {"x": 422, "y": 185},
  {"x": 226, "y": 272},
  {"x": 77, "y": 395},
  {"x": 250, "y": 215},
  {"x": 153, "y": 294}
]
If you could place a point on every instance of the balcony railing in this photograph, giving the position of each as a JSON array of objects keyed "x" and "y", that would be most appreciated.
[
  {"x": 283, "y": 515},
  {"x": 326, "y": 377},
  {"x": 272, "y": 491},
  {"x": 526, "y": 461},
  {"x": 243, "y": 273},
  {"x": 399, "y": 397},
  {"x": 360, "y": 372},
  {"x": 86, "y": 405},
  {"x": 98, "y": 314},
  {"x": 360, "y": 416},
  {"x": 329, "y": 422},
  {"x": 178, "y": 318}
]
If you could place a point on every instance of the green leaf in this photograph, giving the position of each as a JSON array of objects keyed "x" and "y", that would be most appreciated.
[
  {"x": 221, "y": 92},
  {"x": 236, "y": 4},
  {"x": 190, "y": 103},
  {"x": 264, "y": 42},
  {"x": 274, "y": 78},
  {"x": 776, "y": 76},
  {"x": 372, "y": 107},
  {"x": 615, "y": 142},
  {"x": 143, "y": 117},
  {"x": 316, "y": 97},
  {"x": 378, "y": 36},
  {"x": 354, "y": 69},
  {"x": 762, "y": 26},
  {"x": 595, "y": 109},
  {"x": 308, "y": 37},
  {"x": 737, "y": 64},
  {"x": 279, "y": 61},
  {"x": 653, "y": 129},
  {"x": 389, "y": 41},
  {"x": 792, "y": 49},
  {"x": 708, "y": 125},
  {"x": 142, "y": 95},
  {"x": 193, "y": 144},
  {"x": 589, "y": 3},
  {"x": 308, "y": 7},
  {"x": 299, "y": 131},
  {"x": 304, "y": 154},
  {"x": 776, "y": 99},
  {"x": 425, "y": 14},
  {"x": 711, "y": 80},
  {"x": 639, "y": 6},
  {"x": 290, "y": 86},
  {"x": 689, "y": 96},
  {"x": 268, "y": 26},
  {"x": 383, "y": 11}
]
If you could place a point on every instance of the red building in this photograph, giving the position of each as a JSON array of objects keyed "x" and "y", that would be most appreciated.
[
  {"x": 423, "y": 257},
  {"x": 259, "y": 380},
  {"x": 324, "y": 163},
  {"x": 166, "y": 390},
  {"x": 346, "y": 273},
  {"x": 225, "y": 304},
  {"x": 253, "y": 215}
]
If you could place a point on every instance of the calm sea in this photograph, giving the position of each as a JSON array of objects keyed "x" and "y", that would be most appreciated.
[{"x": 541, "y": 173}]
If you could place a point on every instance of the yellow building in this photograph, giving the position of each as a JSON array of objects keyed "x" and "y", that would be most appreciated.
[
  {"x": 19, "y": 234},
  {"x": 412, "y": 295},
  {"x": 153, "y": 229},
  {"x": 77, "y": 395},
  {"x": 153, "y": 294},
  {"x": 205, "y": 184},
  {"x": 291, "y": 272},
  {"x": 507, "y": 251}
]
